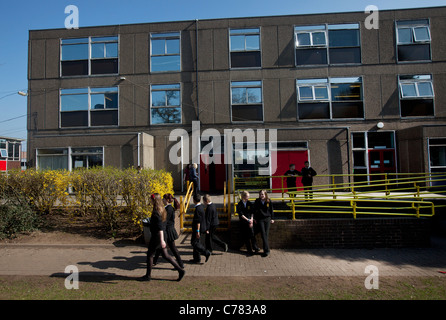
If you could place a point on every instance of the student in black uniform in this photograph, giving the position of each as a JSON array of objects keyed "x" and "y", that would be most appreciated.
[
  {"x": 212, "y": 223},
  {"x": 245, "y": 213},
  {"x": 263, "y": 217},
  {"x": 307, "y": 179},
  {"x": 157, "y": 229},
  {"x": 199, "y": 232},
  {"x": 291, "y": 180},
  {"x": 171, "y": 205}
]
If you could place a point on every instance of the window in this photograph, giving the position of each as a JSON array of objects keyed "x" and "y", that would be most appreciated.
[
  {"x": 89, "y": 107},
  {"x": 89, "y": 56},
  {"x": 87, "y": 157},
  {"x": 413, "y": 40},
  {"x": 334, "y": 98},
  {"x": 327, "y": 44},
  {"x": 165, "y": 104},
  {"x": 80, "y": 157},
  {"x": 437, "y": 160},
  {"x": 246, "y": 101},
  {"x": 165, "y": 52},
  {"x": 416, "y": 95},
  {"x": 245, "y": 48}
]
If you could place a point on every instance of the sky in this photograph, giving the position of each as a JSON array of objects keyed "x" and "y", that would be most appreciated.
[{"x": 18, "y": 17}]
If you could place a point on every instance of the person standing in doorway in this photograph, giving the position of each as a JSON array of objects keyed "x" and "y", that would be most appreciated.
[
  {"x": 263, "y": 217},
  {"x": 193, "y": 176},
  {"x": 308, "y": 173},
  {"x": 291, "y": 180},
  {"x": 245, "y": 210},
  {"x": 212, "y": 223}
]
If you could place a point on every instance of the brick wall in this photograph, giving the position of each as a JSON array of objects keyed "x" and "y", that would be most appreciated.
[{"x": 342, "y": 233}]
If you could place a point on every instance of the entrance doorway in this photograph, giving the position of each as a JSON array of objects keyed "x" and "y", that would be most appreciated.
[
  {"x": 212, "y": 175},
  {"x": 284, "y": 159},
  {"x": 381, "y": 161}
]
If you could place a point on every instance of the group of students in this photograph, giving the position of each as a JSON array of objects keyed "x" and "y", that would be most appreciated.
[
  {"x": 307, "y": 174},
  {"x": 163, "y": 233}
]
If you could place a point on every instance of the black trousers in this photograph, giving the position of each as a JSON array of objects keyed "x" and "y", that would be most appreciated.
[
  {"x": 212, "y": 238},
  {"x": 154, "y": 245},
  {"x": 248, "y": 237},
  {"x": 308, "y": 188},
  {"x": 195, "y": 187},
  {"x": 198, "y": 247},
  {"x": 263, "y": 226}
]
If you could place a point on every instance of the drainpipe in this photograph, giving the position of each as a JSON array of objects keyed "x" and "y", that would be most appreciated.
[
  {"x": 196, "y": 67},
  {"x": 139, "y": 149}
]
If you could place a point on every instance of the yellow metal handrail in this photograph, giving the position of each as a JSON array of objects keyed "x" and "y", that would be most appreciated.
[
  {"x": 393, "y": 188},
  {"x": 184, "y": 205}
]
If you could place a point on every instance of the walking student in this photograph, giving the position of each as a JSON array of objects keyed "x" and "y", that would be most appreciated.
[
  {"x": 157, "y": 229},
  {"x": 263, "y": 217},
  {"x": 212, "y": 223},
  {"x": 199, "y": 232},
  {"x": 308, "y": 173},
  {"x": 245, "y": 211},
  {"x": 171, "y": 205},
  {"x": 193, "y": 176}
]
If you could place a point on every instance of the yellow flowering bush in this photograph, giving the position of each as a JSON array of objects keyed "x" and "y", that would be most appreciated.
[
  {"x": 112, "y": 194},
  {"x": 43, "y": 189}
]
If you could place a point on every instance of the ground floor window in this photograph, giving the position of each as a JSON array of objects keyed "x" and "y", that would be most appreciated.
[
  {"x": 437, "y": 158},
  {"x": 69, "y": 158}
]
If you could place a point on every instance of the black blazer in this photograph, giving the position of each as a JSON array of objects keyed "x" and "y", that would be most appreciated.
[
  {"x": 156, "y": 224},
  {"x": 263, "y": 211},
  {"x": 170, "y": 219},
  {"x": 245, "y": 211},
  {"x": 199, "y": 218},
  {"x": 211, "y": 216}
]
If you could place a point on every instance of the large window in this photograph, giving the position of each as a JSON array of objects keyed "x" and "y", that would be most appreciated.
[
  {"x": 70, "y": 158},
  {"x": 327, "y": 44},
  {"x": 89, "y": 56},
  {"x": 89, "y": 107},
  {"x": 165, "y": 53},
  {"x": 165, "y": 104},
  {"x": 437, "y": 160},
  {"x": 334, "y": 98},
  {"x": 245, "y": 48},
  {"x": 413, "y": 40},
  {"x": 416, "y": 95},
  {"x": 246, "y": 101}
]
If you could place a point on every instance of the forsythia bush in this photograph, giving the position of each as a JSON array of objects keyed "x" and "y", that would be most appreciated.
[{"x": 109, "y": 193}]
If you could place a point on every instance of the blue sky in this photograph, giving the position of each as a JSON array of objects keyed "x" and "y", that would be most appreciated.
[{"x": 18, "y": 17}]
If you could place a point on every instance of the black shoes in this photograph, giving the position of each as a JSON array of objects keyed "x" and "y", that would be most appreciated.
[{"x": 181, "y": 274}]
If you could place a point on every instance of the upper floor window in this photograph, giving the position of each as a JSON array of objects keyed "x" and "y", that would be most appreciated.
[
  {"x": 334, "y": 98},
  {"x": 165, "y": 104},
  {"x": 165, "y": 51},
  {"x": 89, "y": 56},
  {"x": 244, "y": 47},
  {"x": 327, "y": 44},
  {"x": 89, "y": 107},
  {"x": 416, "y": 95},
  {"x": 246, "y": 101},
  {"x": 413, "y": 40}
]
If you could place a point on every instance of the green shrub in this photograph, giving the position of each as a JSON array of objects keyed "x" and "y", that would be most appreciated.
[{"x": 15, "y": 217}]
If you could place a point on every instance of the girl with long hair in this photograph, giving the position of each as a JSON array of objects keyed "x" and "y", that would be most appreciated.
[
  {"x": 171, "y": 205},
  {"x": 158, "y": 229}
]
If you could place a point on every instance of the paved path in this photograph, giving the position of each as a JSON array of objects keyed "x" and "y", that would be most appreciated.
[{"x": 129, "y": 261}]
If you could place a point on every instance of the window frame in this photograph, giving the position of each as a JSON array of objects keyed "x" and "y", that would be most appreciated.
[
  {"x": 166, "y": 88},
  {"x": 168, "y": 35},
  {"x": 412, "y": 25},
  {"x": 89, "y": 109},
  {"x": 328, "y": 82},
  {"x": 246, "y": 33},
  {"x": 426, "y": 78},
  {"x": 89, "y": 58},
  {"x": 325, "y": 28},
  {"x": 253, "y": 85}
]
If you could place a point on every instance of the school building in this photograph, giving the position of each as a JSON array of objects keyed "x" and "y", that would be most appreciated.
[{"x": 349, "y": 98}]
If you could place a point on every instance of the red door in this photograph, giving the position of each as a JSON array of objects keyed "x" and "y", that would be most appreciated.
[
  {"x": 381, "y": 161},
  {"x": 212, "y": 175},
  {"x": 284, "y": 159}
]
